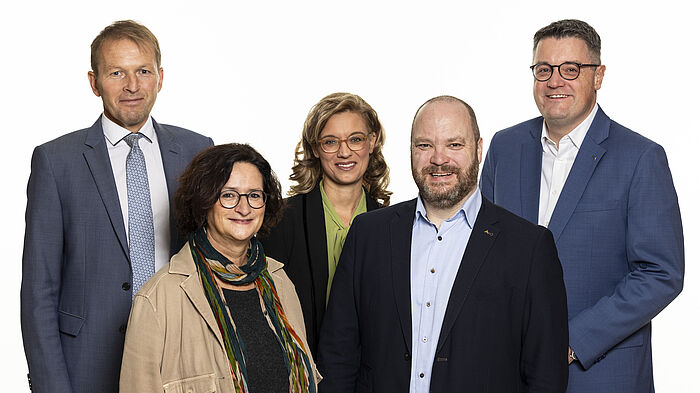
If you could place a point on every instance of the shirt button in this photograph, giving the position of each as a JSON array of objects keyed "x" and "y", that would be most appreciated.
[
  {"x": 427, "y": 304},
  {"x": 432, "y": 270},
  {"x": 439, "y": 238},
  {"x": 425, "y": 339},
  {"x": 421, "y": 375}
]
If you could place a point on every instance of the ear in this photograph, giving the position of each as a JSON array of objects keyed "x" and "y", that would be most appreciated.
[
  {"x": 479, "y": 147},
  {"x": 599, "y": 74},
  {"x": 160, "y": 80},
  {"x": 313, "y": 150},
  {"x": 93, "y": 83},
  {"x": 372, "y": 142}
]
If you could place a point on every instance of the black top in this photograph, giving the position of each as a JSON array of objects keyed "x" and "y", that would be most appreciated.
[
  {"x": 299, "y": 241},
  {"x": 267, "y": 371}
]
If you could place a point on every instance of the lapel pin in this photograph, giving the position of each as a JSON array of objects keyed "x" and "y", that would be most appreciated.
[
  {"x": 595, "y": 158},
  {"x": 488, "y": 233}
]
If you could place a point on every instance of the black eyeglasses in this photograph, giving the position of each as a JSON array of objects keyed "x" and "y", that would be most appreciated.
[
  {"x": 567, "y": 70},
  {"x": 230, "y": 199}
]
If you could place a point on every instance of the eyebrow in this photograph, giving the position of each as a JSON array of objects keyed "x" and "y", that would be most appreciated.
[{"x": 352, "y": 133}]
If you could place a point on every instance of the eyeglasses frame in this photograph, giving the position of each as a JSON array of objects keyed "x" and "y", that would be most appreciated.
[
  {"x": 341, "y": 140},
  {"x": 558, "y": 67},
  {"x": 240, "y": 196}
]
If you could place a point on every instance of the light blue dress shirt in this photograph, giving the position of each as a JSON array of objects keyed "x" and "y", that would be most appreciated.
[{"x": 435, "y": 259}]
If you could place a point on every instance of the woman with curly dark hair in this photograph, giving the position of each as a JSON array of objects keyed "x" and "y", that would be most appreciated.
[
  {"x": 340, "y": 172},
  {"x": 221, "y": 316}
]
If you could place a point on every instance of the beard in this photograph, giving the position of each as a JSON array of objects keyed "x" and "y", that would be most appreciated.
[{"x": 443, "y": 197}]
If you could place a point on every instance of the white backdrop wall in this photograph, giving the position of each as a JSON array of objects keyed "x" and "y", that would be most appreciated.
[{"x": 250, "y": 71}]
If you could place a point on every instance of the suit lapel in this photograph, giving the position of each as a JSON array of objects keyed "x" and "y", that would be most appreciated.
[
  {"x": 400, "y": 231},
  {"x": 173, "y": 165},
  {"x": 530, "y": 174},
  {"x": 194, "y": 291},
  {"x": 317, "y": 247},
  {"x": 97, "y": 159},
  {"x": 585, "y": 163},
  {"x": 483, "y": 236}
]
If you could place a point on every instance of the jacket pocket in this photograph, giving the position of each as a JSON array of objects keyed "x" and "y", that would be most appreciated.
[
  {"x": 69, "y": 324},
  {"x": 198, "y": 384}
]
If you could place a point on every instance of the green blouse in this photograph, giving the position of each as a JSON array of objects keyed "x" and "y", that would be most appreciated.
[{"x": 336, "y": 232}]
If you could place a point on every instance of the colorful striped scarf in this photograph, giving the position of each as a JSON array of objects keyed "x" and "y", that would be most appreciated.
[{"x": 208, "y": 260}]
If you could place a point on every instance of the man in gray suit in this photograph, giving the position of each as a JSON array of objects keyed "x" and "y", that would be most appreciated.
[{"x": 98, "y": 219}]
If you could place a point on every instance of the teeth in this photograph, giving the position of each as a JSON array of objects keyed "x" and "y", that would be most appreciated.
[
  {"x": 346, "y": 165},
  {"x": 440, "y": 174},
  {"x": 558, "y": 96}
]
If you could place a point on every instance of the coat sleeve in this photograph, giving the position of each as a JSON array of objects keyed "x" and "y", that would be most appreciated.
[
  {"x": 655, "y": 256},
  {"x": 41, "y": 280},
  {"x": 487, "y": 173},
  {"x": 143, "y": 350},
  {"x": 544, "y": 361},
  {"x": 339, "y": 344}
]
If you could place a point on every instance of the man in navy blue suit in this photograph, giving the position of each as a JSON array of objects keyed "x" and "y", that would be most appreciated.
[
  {"x": 78, "y": 271},
  {"x": 607, "y": 195}
]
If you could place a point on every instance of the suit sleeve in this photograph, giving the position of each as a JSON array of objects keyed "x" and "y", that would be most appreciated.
[
  {"x": 143, "y": 350},
  {"x": 545, "y": 336},
  {"x": 339, "y": 343},
  {"x": 487, "y": 173},
  {"x": 655, "y": 256},
  {"x": 41, "y": 280}
]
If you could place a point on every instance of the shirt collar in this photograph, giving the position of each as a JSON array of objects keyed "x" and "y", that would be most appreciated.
[
  {"x": 115, "y": 133},
  {"x": 576, "y": 135},
  {"x": 469, "y": 210}
]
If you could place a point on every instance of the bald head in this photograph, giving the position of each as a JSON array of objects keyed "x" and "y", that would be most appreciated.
[{"x": 442, "y": 107}]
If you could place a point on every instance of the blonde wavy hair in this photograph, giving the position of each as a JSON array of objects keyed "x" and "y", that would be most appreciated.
[{"x": 306, "y": 171}]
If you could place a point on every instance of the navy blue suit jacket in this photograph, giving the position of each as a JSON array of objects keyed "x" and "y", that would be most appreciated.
[
  {"x": 76, "y": 274},
  {"x": 505, "y": 325},
  {"x": 618, "y": 231}
]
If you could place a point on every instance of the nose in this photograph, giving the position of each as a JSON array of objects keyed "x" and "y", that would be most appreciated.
[
  {"x": 438, "y": 157},
  {"x": 243, "y": 208},
  {"x": 132, "y": 84},
  {"x": 556, "y": 80},
  {"x": 344, "y": 150}
]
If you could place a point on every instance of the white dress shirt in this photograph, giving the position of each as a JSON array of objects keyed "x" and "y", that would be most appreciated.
[
  {"x": 160, "y": 202},
  {"x": 436, "y": 255},
  {"x": 557, "y": 163}
]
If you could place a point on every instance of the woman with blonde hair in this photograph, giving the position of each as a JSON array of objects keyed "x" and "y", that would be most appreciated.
[{"x": 340, "y": 172}]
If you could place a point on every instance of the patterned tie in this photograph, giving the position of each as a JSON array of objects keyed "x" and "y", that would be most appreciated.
[{"x": 141, "y": 238}]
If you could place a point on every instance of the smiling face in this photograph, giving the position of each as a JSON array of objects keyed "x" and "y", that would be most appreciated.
[
  {"x": 564, "y": 104},
  {"x": 344, "y": 167},
  {"x": 128, "y": 80},
  {"x": 444, "y": 156},
  {"x": 233, "y": 228}
]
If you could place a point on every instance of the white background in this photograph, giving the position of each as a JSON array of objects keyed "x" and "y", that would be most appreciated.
[{"x": 250, "y": 71}]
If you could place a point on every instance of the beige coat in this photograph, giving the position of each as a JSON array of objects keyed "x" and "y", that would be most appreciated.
[{"x": 173, "y": 343}]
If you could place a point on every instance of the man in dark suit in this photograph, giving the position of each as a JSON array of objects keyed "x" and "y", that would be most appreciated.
[
  {"x": 607, "y": 195},
  {"x": 98, "y": 219},
  {"x": 447, "y": 292}
]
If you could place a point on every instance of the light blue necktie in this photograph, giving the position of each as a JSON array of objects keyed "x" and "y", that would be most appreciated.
[{"x": 142, "y": 250}]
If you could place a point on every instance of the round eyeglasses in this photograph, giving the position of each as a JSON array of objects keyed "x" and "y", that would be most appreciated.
[
  {"x": 567, "y": 70},
  {"x": 230, "y": 199},
  {"x": 331, "y": 144}
]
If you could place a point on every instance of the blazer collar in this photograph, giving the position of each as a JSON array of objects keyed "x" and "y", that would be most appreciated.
[
  {"x": 98, "y": 162},
  {"x": 587, "y": 159},
  {"x": 400, "y": 231}
]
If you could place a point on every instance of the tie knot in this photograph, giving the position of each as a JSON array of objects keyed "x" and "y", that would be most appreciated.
[{"x": 132, "y": 139}]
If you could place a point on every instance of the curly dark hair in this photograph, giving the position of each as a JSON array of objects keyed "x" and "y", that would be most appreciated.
[{"x": 206, "y": 175}]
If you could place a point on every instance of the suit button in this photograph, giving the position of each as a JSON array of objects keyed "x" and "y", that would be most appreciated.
[
  {"x": 422, "y": 375},
  {"x": 407, "y": 356},
  {"x": 126, "y": 286},
  {"x": 122, "y": 329}
]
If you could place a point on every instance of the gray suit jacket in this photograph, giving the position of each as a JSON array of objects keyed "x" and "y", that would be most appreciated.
[{"x": 76, "y": 274}]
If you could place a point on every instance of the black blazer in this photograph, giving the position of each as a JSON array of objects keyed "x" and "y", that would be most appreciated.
[
  {"x": 505, "y": 327},
  {"x": 299, "y": 241}
]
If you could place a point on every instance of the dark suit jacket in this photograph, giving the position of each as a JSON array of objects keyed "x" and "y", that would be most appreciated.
[
  {"x": 618, "y": 230},
  {"x": 76, "y": 274},
  {"x": 299, "y": 241},
  {"x": 504, "y": 328}
]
